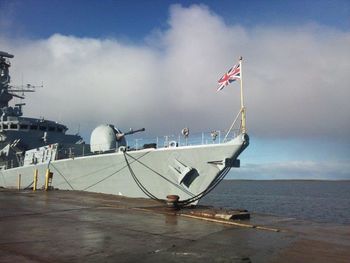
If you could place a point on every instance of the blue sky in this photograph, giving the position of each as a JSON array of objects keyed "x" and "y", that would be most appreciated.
[
  {"x": 157, "y": 53},
  {"x": 136, "y": 19}
]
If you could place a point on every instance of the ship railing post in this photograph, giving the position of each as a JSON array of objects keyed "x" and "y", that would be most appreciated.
[{"x": 35, "y": 181}]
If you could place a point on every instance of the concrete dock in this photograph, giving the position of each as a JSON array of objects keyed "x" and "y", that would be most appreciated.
[{"x": 73, "y": 226}]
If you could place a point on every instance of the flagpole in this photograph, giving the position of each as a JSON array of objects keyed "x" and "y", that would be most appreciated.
[{"x": 243, "y": 119}]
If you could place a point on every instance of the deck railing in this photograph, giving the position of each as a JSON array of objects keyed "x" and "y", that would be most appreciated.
[{"x": 201, "y": 138}]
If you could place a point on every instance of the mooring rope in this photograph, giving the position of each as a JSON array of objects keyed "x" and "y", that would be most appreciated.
[
  {"x": 162, "y": 176},
  {"x": 61, "y": 175},
  {"x": 213, "y": 184},
  {"x": 25, "y": 188},
  {"x": 105, "y": 178},
  {"x": 139, "y": 184},
  {"x": 185, "y": 202}
]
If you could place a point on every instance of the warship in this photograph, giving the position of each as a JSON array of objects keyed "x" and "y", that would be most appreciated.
[{"x": 34, "y": 149}]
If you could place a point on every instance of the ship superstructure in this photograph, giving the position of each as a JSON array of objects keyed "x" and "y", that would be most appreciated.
[{"x": 17, "y": 133}]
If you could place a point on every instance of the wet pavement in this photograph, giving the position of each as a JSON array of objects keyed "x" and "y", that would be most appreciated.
[{"x": 73, "y": 226}]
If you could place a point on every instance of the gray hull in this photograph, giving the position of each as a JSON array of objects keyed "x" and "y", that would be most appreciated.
[{"x": 184, "y": 171}]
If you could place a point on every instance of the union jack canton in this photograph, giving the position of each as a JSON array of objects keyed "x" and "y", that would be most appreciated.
[{"x": 233, "y": 74}]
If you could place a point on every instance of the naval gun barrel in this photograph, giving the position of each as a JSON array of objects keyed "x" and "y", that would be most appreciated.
[
  {"x": 5, "y": 54},
  {"x": 134, "y": 131},
  {"x": 121, "y": 136}
]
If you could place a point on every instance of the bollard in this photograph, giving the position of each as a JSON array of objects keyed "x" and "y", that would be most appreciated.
[
  {"x": 19, "y": 181},
  {"x": 35, "y": 181},
  {"x": 172, "y": 202}
]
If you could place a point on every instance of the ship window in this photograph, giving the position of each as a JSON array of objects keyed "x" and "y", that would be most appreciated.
[
  {"x": 51, "y": 128},
  {"x": 23, "y": 126},
  {"x": 59, "y": 129},
  {"x": 4, "y": 126},
  {"x": 33, "y": 127},
  {"x": 42, "y": 128},
  {"x": 13, "y": 126}
]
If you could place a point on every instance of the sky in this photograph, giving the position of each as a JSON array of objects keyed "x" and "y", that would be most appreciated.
[{"x": 155, "y": 64}]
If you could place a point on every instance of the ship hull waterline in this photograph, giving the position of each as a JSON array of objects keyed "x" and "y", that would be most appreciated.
[{"x": 115, "y": 173}]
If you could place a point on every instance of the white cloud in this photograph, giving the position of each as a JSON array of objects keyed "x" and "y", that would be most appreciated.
[{"x": 296, "y": 79}]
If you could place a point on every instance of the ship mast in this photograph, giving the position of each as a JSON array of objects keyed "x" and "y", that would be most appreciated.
[
  {"x": 242, "y": 111},
  {"x": 243, "y": 116}
]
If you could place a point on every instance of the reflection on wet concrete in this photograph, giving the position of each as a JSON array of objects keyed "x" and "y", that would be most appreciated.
[{"x": 170, "y": 219}]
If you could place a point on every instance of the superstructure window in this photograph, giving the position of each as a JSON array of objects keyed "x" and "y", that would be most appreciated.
[
  {"x": 23, "y": 126},
  {"x": 13, "y": 126},
  {"x": 33, "y": 127},
  {"x": 42, "y": 128},
  {"x": 5, "y": 126}
]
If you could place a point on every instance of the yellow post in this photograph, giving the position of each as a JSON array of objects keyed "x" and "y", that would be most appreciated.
[
  {"x": 19, "y": 181},
  {"x": 35, "y": 181},
  {"x": 243, "y": 120},
  {"x": 47, "y": 176}
]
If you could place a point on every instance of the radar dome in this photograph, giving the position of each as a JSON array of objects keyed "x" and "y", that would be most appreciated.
[{"x": 103, "y": 138}]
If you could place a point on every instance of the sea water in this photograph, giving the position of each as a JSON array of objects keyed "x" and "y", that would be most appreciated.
[{"x": 319, "y": 201}]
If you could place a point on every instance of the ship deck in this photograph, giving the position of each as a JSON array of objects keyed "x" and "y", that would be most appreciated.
[{"x": 73, "y": 226}]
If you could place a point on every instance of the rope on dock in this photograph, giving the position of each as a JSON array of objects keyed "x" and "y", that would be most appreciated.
[
  {"x": 212, "y": 220},
  {"x": 231, "y": 223}
]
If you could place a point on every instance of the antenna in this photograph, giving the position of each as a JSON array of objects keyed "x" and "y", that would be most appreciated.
[{"x": 23, "y": 88}]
